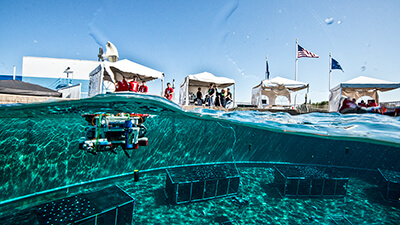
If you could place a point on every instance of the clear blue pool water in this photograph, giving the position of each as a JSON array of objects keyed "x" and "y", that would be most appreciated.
[{"x": 39, "y": 152}]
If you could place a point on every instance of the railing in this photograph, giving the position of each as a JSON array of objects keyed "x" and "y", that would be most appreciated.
[
  {"x": 316, "y": 108},
  {"x": 391, "y": 104},
  {"x": 55, "y": 83}
]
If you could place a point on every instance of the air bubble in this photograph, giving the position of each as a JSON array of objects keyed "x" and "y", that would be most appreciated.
[{"x": 329, "y": 21}]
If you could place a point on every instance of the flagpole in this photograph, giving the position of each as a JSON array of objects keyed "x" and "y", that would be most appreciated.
[
  {"x": 266, "y": 68},
  {"x": 295, "y": 70},
  {"x": 330, "y": 69}
]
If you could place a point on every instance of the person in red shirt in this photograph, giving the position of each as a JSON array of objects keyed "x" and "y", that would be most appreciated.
[
  {"x": 372, "y": 103},
  {"x": 362, "y": 104},
  {"x": 168, "y": 91},
  {"x": 133, "y": 85},
  {"x": 348, "y": 106},
  {"x": 122, "y": 85},
  {"x": 143, "y": 88}
]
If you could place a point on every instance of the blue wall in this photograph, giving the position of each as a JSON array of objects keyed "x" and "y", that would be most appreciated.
[{"x": 10, "y": 77}]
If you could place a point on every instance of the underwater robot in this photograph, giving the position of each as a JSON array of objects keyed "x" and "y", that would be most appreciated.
[{"x": 107, "y": 132}]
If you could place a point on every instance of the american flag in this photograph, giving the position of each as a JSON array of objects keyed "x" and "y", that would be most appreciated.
[{"x": 301, "y": 52}]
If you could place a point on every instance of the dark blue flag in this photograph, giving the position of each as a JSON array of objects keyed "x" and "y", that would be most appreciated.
[
  {"x": 267, "y": 70},
  {"x": 336, "y": 65}
]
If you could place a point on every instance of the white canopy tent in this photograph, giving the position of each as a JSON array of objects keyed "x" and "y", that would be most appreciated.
[
  {"x": 203, "y": 80},
  {"x": 107, "y": 73},
  {"x": 359, "y": 87},
  {"x": 275, "y": 87}
]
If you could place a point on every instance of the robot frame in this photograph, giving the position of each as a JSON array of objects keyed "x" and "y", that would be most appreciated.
[{"x": 107, "y": 132}]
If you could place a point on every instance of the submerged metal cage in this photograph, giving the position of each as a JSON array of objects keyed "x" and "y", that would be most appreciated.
[
  {"x": 199, "y": 183},
  {"x": 310, "y": 181},
  {"x": 111, "y": 205},
  {"x": 389, "y": 183}
]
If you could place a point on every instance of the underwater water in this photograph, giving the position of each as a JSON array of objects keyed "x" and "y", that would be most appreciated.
[{"x": 39, "y": 152}]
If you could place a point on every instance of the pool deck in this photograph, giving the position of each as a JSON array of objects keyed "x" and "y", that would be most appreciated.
[{"x": 291, "y": 111}]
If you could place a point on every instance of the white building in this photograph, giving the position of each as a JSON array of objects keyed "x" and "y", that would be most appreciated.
[{"x": 53, "y": 73}]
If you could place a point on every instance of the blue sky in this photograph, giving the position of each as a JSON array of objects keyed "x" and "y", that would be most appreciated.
[{"x": 226, "y": 38}]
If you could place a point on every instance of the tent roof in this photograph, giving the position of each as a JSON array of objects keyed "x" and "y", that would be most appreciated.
[
  {"x": 363, "y": 82},
  {"x": 129, "y": 69},
  {"x": 206, "y": 78},
  {"x": 17, "y": 87},
  {"x": 275, "y": 82}
]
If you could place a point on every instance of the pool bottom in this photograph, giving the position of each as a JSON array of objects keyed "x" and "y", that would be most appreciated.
[{"x": 363, "y": 205}]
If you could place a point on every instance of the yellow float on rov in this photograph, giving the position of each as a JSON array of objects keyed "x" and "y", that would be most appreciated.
[{"x": 107, "y": 132}]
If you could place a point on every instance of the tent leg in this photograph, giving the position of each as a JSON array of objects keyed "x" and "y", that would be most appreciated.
[
  {"x": 234, "y": 95},
  {"x": 101, "y": 80},
  {"x": 162, "y": 86},
  {"x": 187, "y": 91}
]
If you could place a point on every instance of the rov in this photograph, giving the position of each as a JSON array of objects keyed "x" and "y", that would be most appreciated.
[{"x": 107, "y": 132}]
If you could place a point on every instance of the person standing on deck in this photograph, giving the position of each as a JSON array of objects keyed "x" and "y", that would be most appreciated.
[
  {"x": 211, "y": 95},
  {"x": 222, "y": 98},
  {"x": 133, "y": 85},
  {"x": 168, "y": 91},
  {"x": 199, "y": 97},
  {"x": 122, "y": 85},
  {"x": 228, "y": 98},
  {"x": 143, "y": 88}
]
